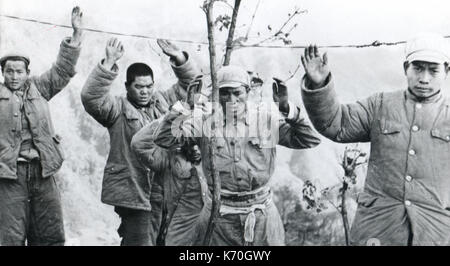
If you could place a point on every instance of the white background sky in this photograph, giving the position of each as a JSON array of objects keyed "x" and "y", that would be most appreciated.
[{"x": 327, "y": 22}]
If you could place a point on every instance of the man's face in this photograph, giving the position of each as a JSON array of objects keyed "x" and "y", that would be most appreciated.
[
  {"x": 425, "y": 78},
  {"x": 194, "y": 154},
  {"x": 140, "y": 90},
  {"x": 233, "y": 100},
  {"x": 15, "y": 74}
]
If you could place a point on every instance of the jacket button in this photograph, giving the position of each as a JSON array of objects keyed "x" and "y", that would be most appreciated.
[
  {"x": 408, "y": 178},
  {"x": 407, "y": 203},
  {"x": 415, "y": 128},
  {"x": 447, "y": 138},
  {"x": 418, "y": 106},
  {"x": 16, "y": 114},
  {"x": 412, "y": 152}
]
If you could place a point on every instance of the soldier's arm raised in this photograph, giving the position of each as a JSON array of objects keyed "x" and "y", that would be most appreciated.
[
  {"x": 95, "y": 95},
  {"x": 59, "y": 75},
  {"x": 339, "y": 122},
  {"x": 184, "y": 68}
]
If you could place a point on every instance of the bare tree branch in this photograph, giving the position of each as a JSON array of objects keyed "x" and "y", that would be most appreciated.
[
  {"x": 251, "y": 23},
  {"x": 230, "y": 38}
]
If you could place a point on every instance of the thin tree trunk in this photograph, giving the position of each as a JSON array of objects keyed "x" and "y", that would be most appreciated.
[
  {"x": 212, "y": 147},
  {"x": 230, "y": 38},
  {"x": 344, "y": 212}
]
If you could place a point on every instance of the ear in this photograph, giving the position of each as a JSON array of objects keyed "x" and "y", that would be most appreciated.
[
  {"x": 405, "y": 66},
  {"x": 28, "y": 72}
]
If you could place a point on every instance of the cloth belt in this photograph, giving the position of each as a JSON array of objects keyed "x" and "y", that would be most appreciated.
[{"x": 246, "y": 203}]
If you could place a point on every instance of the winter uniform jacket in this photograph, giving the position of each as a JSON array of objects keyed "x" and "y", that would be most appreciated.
[
  {"x": 407, "y": 189},
  {"x": 39, "y": 90},
  {"x": 246, "y": 164},
  {"x": 187, "y": 200},
  {"x": 126, "y": 182}
]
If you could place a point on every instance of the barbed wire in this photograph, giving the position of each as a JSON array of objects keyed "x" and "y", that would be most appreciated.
[{"x": 375, "y": 43}]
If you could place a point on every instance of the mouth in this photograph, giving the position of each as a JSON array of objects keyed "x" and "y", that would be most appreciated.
[{"x": 422, "y": 89}]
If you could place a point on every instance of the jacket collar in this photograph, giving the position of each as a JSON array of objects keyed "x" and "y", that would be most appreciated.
[
  {"x": 30, "y": 91},
  {"x": 436, "y": 97},
  {"x": 5, "y": 93}
]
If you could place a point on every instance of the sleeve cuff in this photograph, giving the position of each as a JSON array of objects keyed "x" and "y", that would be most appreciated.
[
  {"x": 174, "y": 66},
  {"x": 66, "y": 43},
  {"x": 113, "y": 71},
  {"x": 292, "y": 111}
]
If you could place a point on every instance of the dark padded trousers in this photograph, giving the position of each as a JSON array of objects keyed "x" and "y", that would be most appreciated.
[
  {"x": 30, "y": 209},
  {"x": 135, "y": 227}
]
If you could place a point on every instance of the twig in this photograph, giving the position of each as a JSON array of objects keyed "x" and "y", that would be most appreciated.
[
  {"x": 280, "y": 30},
  {"x": 229, "y": 47},
  {"x": 251, "y": 22},
  {"x": 293, "y": 74}
]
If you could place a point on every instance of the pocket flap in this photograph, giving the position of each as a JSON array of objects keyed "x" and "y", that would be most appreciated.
[
  {"x": 441, "y": 133},
  {"x": 115, "y": 168},
  {"x": 365, "y": 199},
  {"x": 389, "y": 126}
]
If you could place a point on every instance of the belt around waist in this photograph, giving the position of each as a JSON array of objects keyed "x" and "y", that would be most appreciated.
[{"x": 257, "y": 195}]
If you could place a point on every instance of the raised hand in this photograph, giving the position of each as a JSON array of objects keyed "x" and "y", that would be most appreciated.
[
  {"x": 280, "y": 95},
  {"x": 114, "y": 51},
  {"x": 172, "y": 50},
  {"x": 77, "y": 25},
  {"x": 316, "y": 66}
]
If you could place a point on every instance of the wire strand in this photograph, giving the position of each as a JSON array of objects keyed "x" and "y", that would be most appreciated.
[{"x": 267, "y": 46}]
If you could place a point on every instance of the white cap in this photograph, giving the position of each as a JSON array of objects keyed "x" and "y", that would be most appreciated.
[
  {"x": 428, "y": 47},
  {"x": 232, "y": 76}
]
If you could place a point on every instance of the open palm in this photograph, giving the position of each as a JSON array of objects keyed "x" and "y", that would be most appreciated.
[
  {"x": 114, "y": 50},
  {"x": 315, "y": 65},
  {"x": 77, "y": 18},
  {"x": 168, "y": 48}
]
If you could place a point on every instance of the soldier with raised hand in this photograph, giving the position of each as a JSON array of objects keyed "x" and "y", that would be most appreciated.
[
  {"x": 245, "y": 158},
  {"x": 127, "y": 184},
  {"x": 30, "y": 152},
  {"x": 406, "y": 198}
]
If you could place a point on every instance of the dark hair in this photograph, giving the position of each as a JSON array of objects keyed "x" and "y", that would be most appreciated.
[
  {"x": 138, "y": 70},
  {"x": 14, "y": 58}
]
